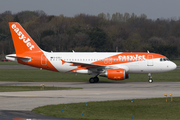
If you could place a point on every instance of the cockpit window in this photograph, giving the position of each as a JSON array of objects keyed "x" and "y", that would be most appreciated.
[{"x": 164, "y": 59}]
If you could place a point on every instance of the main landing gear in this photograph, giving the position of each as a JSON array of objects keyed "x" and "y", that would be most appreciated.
[
  {"x": 94, "y": 79},
  {"x": 150, "y": 78}
]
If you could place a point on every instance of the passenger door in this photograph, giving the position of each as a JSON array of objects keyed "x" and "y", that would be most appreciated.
[{"x": 150, "y": 60}]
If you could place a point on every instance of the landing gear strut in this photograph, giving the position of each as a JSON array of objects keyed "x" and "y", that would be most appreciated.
[
  {"x": 94, "y": 79},
  {"x": 150, "y": 78}
]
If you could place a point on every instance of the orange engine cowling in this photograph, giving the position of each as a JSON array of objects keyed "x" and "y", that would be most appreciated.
[{"x": 116, "y": 74}]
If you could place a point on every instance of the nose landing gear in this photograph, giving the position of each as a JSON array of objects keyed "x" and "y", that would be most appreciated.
[{"x": 150, "y": 78}]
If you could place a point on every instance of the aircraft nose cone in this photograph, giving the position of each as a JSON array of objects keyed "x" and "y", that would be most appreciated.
[{"x": 173, "y": 66}]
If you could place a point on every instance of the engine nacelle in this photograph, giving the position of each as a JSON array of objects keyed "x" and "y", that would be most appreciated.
[{"x": 116, "y": 74}]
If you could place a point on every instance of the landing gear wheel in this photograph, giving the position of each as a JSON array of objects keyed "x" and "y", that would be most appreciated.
[
  {"x": 96, "y": 79},
  {"x": 91, "y": 80},
  {"x": 150, "y": 80}
]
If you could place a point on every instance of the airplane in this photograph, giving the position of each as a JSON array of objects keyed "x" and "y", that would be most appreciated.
[{"x": 113, "y": 65}]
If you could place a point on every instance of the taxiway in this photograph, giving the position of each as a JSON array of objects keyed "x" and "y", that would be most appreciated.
[{"x": 91, "y": 92}]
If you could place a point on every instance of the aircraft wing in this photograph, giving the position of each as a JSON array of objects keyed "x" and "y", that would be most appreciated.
[
  {"x": 85, "y": 65},
  {"x": 92, "y": 67}
]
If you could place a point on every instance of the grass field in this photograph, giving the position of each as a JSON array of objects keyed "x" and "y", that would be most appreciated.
[
  {"x": 36, "y": 75},
  {"x": 177, "y": 62},
  {"x": 140, "y": 109},
  {"x": 31, "y": 88},
  {"x": 9, "y": 63}
]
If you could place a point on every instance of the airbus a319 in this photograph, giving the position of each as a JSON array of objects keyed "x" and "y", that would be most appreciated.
[{"x": 113, "y": 65}]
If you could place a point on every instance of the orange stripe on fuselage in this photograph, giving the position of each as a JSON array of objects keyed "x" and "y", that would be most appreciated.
[{"x": 127, "y": 58}]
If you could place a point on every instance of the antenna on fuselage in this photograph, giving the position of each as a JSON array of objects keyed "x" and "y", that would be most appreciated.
[
  {"x": 116, "y": 49},
  {"x": 147, "y": 51},
  {"x": 73, "y": 51}
]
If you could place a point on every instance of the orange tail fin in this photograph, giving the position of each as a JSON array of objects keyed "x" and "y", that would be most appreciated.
[{"x": 22, "y": 41}]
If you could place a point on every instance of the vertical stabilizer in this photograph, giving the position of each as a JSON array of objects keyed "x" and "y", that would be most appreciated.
[{"x": 22, "y": 41}]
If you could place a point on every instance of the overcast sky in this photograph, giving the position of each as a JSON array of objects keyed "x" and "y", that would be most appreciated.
[{"x": 152, "y": 8}]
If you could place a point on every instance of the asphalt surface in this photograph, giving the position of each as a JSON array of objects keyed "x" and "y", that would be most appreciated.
[{"x": 26, "y": 101}]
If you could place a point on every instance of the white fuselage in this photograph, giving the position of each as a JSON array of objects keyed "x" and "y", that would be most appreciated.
[{"x": 130, "y": 65}]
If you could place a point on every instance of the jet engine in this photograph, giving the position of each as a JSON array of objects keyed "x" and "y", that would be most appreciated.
[{"x": 115, "y": 74}]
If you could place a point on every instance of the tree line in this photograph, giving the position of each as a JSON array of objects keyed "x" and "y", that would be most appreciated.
[{"x": 89, "y": 33}]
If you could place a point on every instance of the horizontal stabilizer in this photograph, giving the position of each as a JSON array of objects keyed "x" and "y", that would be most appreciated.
[{"x": 13, "y": 57}]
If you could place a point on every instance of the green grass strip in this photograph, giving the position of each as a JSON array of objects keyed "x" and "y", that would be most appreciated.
[
  {"x": 36, "y": 75},
  {"x": 140, "y": 109},
  {"x": 31, "y": 88},
  {"x": 9, "y": 63},
  {"x": 177, "y": 62}
]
